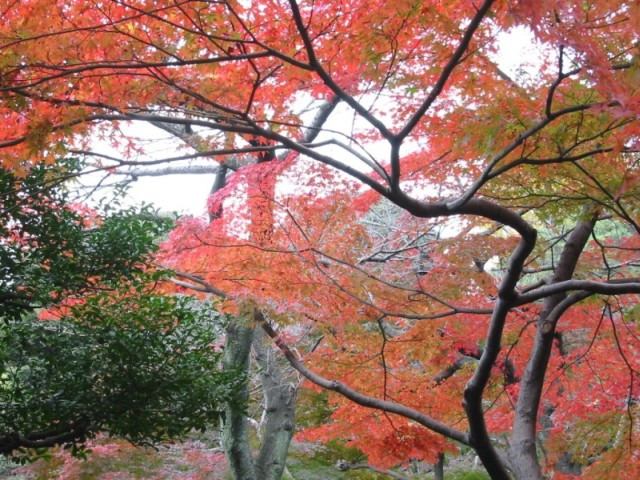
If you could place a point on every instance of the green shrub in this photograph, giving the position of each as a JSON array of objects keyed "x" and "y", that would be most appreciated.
[
  {"x": 473, "y": 475},
  {"x": 337, "y": 450}
]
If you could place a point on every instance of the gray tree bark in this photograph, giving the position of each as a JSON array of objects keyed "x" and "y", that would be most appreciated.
[
  {"x": 279, "y": 394},
  {"x": 438, "y": 468},
  {"x": 280, "y": 405},
  {"x": 235, "y": 432},
  {"x": 522, "y": 451}
]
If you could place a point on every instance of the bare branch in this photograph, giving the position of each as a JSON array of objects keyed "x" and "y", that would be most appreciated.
[
  {"x": 612, "y": 287},
  {"x": 183, "y": 170}
]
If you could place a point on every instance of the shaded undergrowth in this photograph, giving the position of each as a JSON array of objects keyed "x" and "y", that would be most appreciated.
[{"x": 200, "y": 458}]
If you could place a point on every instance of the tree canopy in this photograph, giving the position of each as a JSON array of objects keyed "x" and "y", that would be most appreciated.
[
  {"x": 87, "y": 344},
  {"x": 497, "y": 308},
  {"x": 54, "y": 248}
]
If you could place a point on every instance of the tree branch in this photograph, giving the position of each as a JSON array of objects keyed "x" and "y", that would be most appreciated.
[
  {"x": 612, "y": 287},
  {"x": 446, "y": 71},
  {"x": 9, "y": 442},
  {"x": 176, "y": 170},
  {"x": 359, "y": 398}
]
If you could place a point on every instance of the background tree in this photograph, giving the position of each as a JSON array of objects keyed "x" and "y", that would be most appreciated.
[
  {"x": 440, "y": 130},
  {"x": 109, "y": 352},
  {"x": 54, "y": 249}
]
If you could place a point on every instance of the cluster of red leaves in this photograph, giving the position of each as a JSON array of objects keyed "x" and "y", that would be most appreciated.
[{"x": 381, "y": 325}]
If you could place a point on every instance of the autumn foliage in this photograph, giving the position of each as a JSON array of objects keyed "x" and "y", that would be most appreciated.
[{"x": 445, "y": 238}]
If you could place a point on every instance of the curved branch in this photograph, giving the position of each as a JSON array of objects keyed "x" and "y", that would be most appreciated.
[
  {"x": 612, "y": 287},
  {"x": 364, "y": 400},
  {"x": 314, "y": 63},
  {"x": 565, "y": 304},
  {"x": 151, "y": 118},
  {"x": 520, "y": 139},
  {"x": 11, "y": 441},
  {"x": 198, "y": 284},
  {"x": 359, "y": 398},
  {"x": 122, "y": 65}
]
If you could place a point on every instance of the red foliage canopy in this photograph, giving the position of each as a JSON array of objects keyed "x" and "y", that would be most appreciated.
[{"x": 505, "y": 279}]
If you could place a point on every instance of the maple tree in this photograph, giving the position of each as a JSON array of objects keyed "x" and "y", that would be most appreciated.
[{"x": 517, "y": 188}]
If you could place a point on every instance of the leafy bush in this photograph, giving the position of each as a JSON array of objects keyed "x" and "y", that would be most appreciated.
[
  {"x": 135, "y": 364},
  {"x": 87, "y": 343}
]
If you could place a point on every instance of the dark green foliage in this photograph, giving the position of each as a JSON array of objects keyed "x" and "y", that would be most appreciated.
[
  {"x": 336, "y": 450},
  {"x": 51, "y": 249},
  {"x": 312, "y": 408},
  {"x": 134, "y": 364},
  {"x": 115, "y": 355}
]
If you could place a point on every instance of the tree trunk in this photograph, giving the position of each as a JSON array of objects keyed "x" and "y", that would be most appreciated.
[
  {"x": 279, "y": 399},
  {"x": 522, "y": 451},
  {"x": 235, "y": 432},
  {"x": 438, "y": 468},
  {"x": 280, "y": 406}
]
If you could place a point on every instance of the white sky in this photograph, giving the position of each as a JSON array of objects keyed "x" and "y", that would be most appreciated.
[{"x": 185, "y": 194}]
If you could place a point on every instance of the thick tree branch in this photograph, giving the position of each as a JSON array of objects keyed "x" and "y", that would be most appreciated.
[
  {"x": 611, "y": 287},
  {"x": 523, "y": 440},
  {"x": 12, "y": 441}
]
